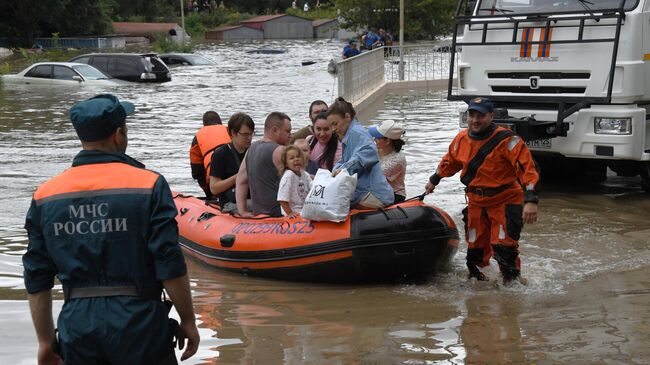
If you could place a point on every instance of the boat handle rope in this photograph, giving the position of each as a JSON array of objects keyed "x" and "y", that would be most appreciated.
[
  {"x": 418, "y": 197},
  {"x": 205, "y": 216}
]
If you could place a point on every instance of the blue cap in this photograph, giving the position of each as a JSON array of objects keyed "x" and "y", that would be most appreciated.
[
  {"x": 481, "y": 105},
  {"x": 98, "y": 117}
]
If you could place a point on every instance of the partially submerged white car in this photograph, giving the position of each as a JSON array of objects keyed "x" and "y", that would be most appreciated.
[{"x": 62, "y": 74}]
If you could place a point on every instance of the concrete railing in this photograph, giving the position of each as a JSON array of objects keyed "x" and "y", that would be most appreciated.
[
  {"x": 364, "y": 74},
  {"x": 360, "y": 75},
  {"x": 364, "y": 79}
]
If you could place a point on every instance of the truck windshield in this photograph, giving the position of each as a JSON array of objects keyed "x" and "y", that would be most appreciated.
[{"x": 500, "y": 8}]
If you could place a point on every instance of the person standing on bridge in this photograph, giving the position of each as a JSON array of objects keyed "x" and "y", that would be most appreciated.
[
  {"x": 495, "y": 165},
  {"x": 106, "y": 229}
]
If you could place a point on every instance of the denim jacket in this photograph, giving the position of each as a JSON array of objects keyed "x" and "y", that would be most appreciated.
[{"x": 360, "y": 156}]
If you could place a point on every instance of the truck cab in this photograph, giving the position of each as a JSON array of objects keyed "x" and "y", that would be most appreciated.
[{"x": 571, "y": 77}]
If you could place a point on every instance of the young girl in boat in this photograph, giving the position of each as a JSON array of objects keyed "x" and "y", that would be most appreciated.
[{"x": 294, "y": 183}]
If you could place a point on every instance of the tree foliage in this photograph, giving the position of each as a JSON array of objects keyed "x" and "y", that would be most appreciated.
[
  {"x": 80, "y": 17},
  {"x": 259, "y": 7},
  {"x": 146, "y": 10},
  {"x": 326, "y": 11},
  {"x": 24, "y": 20},
  {"x": 423, "y": 19}
]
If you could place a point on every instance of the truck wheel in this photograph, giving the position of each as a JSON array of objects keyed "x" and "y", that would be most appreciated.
[
  {"x": 644, "y": 169},
  {"x": 625, "y": 168},
  {"x": 596, "y": 174}
]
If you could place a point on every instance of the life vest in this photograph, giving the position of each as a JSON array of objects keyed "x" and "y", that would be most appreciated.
[{"x": 208, "y": 139}]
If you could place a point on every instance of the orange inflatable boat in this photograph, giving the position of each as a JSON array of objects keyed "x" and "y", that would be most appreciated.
[{"x": 404, "y": 241}]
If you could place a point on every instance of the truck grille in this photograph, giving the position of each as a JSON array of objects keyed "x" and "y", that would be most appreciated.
[
  {"x": 541, "y": 75},
  {"x": 541, "y": 90}
]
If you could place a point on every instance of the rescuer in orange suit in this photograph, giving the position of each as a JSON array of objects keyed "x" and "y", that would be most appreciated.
[
  {"x": 501, "y": 178},
  {"x": 206, "y": 140}
]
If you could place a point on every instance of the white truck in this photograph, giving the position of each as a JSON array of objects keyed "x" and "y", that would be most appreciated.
[{"x": 572, "y": 77}]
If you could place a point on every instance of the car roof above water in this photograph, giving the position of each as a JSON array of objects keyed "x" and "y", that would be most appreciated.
[
  {"x": 59, "y": 64},
  {"x": 120, "y": 54}
]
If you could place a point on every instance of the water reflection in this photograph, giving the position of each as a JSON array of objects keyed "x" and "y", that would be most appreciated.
[
  {"x": 267, "y": 321},
  {"x": 491, "y": 332}
]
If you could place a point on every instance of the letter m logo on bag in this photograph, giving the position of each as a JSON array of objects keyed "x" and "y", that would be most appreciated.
[{"x": 318, "y": 191}]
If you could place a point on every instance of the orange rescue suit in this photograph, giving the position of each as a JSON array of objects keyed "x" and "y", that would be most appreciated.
[
  {"x": 495, "y": 167},
  {"x": 207, "y": 139}
]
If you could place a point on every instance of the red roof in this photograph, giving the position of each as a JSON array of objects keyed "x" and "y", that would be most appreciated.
[
  {"x": 319, "y": 22},
  {"x": 225, "y": 27},
  {"x": 229, "y": 27},
  {"x": 263, "y": 18},
  {"x": 143, "y": 28}
]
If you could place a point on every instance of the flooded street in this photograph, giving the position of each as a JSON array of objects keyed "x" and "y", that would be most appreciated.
[{"x": 586, "y": 260}]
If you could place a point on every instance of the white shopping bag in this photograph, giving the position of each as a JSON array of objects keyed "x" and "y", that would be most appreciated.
[{"x": 329, "y": 197}]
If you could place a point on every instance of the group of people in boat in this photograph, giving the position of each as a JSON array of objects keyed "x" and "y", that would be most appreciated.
[{"x": 273, "y": 175}]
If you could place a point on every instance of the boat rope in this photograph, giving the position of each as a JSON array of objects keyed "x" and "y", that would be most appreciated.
[{"x": 418, "y": 197}]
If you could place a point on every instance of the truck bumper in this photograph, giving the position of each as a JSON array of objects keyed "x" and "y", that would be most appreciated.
[{"x": 583, "y": 142}]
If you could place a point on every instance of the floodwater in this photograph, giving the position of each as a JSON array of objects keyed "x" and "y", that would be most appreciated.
[{"x": 586, "y": 260}]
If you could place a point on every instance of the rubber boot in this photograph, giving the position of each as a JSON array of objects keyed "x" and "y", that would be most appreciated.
[
  {"x": 474, "y": 259},
  {"x": 508, "y": 259},
  {"x": 474, "y": 272}
]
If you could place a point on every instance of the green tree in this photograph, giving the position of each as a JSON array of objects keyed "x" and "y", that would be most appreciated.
[
  {"x": 325, "y": 11},
  {"x": 258, "y": 6},
  {"x": 146, "y": 10},
  {"x": 82, "y": 17},
  {"x": 22, "y": 21},
  {"x": 423, "y": 19}
]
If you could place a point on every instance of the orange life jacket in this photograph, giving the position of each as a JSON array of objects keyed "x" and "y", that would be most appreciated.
[{"x": 208, "y": 139}]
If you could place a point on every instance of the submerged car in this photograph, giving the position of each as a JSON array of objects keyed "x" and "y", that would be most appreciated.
[
  {"x": 62, "y": 73},
  {"x": 185, "y": 59},
  {"x": 137, "y": 67}
]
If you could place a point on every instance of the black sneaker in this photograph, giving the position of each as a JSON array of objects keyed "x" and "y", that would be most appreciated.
[{"x": 479, "y": 276}]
